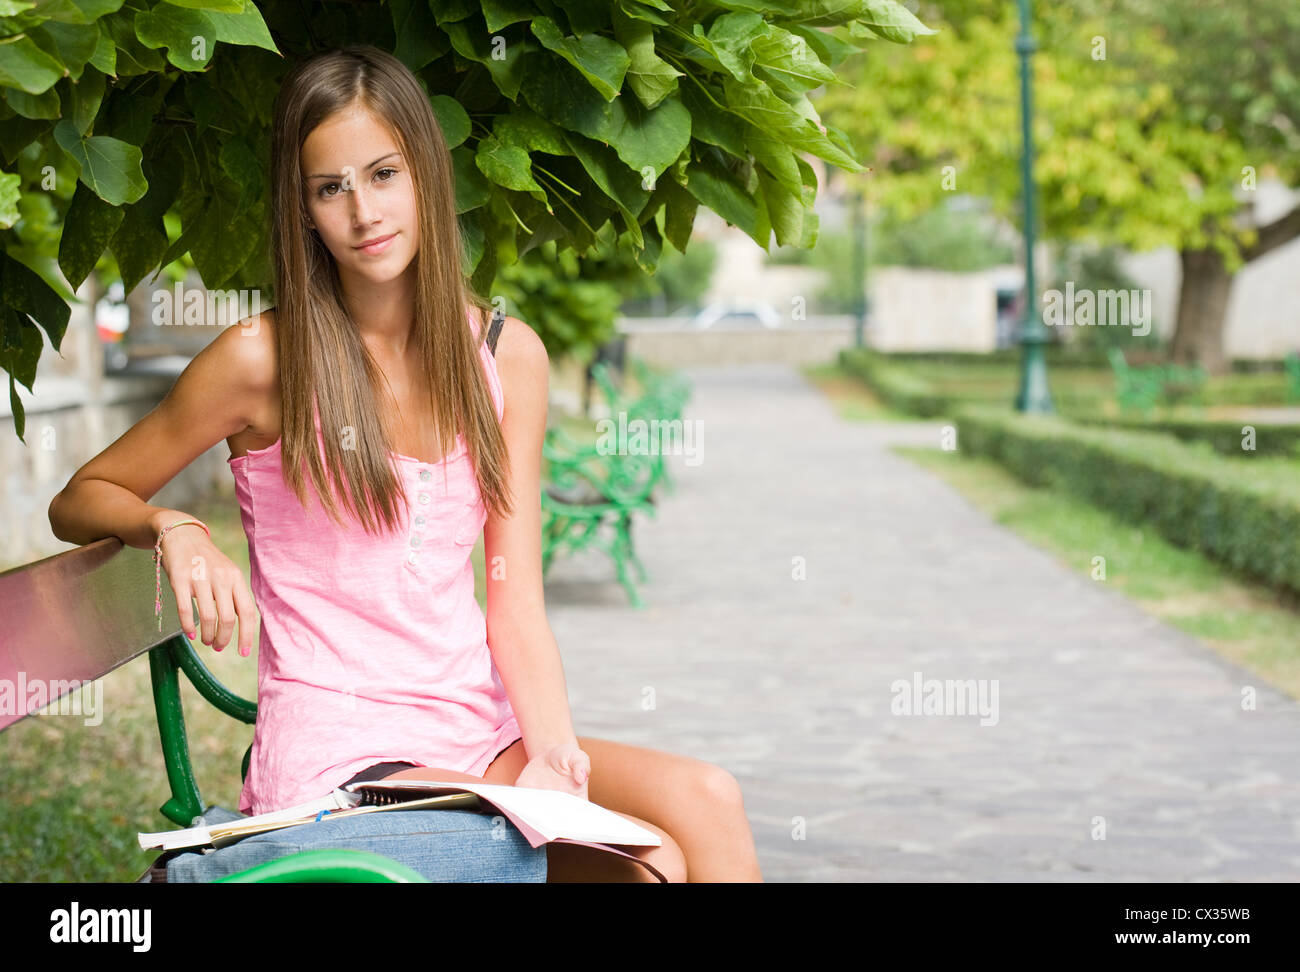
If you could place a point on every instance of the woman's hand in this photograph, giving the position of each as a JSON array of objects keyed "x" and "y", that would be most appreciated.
[
  {"x": 564, "y": 767},
  {"x": 197, "y": 569}
]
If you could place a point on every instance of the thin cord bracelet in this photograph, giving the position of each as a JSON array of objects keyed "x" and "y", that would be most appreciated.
[{"x": 157, "y": 565}]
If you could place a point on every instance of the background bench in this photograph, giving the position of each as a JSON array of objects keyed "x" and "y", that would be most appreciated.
[{"x": 590, "y": 497}]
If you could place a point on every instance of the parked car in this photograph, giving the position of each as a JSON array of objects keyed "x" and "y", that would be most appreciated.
[
  {"x": 112, "y": 317},
  {"x": 736, "y": 314}
]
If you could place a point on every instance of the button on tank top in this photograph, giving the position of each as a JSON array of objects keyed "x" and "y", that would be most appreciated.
[{"x": 372, "y": 648}]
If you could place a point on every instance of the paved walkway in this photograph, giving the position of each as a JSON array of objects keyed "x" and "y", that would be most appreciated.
[{"x": 1108, "y": 721}]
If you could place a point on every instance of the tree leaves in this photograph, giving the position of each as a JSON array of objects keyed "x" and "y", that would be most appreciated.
[
  {"x": 649, "y": 76},
  {"x": 581, "y": 122},
  {"x": 603, "y": 62}
]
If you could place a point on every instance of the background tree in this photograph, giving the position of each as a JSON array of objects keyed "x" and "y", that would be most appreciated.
[
  {"x": 568, "y": 122},
  {"x": 1153, "y": 121}
]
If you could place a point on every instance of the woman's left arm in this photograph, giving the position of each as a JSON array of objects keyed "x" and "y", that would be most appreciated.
[{"x": 519, "y": 636}]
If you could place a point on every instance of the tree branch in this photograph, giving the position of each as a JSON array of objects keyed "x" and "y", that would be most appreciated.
[{"x": 1275, "y": 234}]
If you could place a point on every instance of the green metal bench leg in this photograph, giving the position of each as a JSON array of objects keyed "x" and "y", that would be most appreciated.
[{"x": 334, "y": 865}]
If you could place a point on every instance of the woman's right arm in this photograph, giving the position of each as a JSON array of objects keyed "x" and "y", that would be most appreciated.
[
  {"x": 218, "y": 394},
  {"x": 221, "y": 392}
]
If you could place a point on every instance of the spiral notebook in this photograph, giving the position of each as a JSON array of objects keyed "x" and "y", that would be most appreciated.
[{"x": 542, "y": 816}]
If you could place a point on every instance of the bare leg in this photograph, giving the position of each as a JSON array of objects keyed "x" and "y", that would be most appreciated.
[{"x": 699, "y": 803}]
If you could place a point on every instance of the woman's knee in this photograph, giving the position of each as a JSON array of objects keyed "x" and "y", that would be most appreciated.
[
  {"x": 668, "y": 858},
  {"x": 719, "y": 789}
]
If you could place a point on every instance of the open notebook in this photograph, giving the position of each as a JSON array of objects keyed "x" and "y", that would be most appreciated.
[{"x": 542, "y": 816}]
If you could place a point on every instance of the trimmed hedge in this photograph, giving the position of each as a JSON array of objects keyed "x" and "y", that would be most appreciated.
[
  {"x": 903, "y": 390},
  {"x": 896, "y": 387},
  {"x": 1245, "y": 516},
  {"x": 1224, "y": 436},
  {"x": 1057, "y": 357}
]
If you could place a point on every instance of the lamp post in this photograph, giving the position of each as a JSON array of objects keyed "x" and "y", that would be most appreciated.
[
  {"x": 859, "y": 271},
  {"x": 1034, "y": 395}
]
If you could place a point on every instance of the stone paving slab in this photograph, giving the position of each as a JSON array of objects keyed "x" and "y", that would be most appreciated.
[{"x": 1106, "y": 718}]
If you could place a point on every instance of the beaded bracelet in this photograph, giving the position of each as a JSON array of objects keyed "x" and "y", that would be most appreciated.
[{"x": 157, "y": 565}]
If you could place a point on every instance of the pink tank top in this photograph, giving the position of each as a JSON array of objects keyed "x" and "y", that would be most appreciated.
[{"x": 372, "y": 648}]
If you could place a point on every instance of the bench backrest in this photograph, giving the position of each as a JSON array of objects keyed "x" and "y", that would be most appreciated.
[{"x": 74, "y": 617}]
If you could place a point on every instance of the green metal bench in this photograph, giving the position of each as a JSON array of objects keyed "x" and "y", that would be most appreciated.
[
  {"x": 662, "y": 399},
  {"x": 591, "y": 496},
  {"x": 1292, "y": 365},
  {"x": 1140, "y": 389},
  {"x": 588, "y": 494},
  {"x": 350, "y": 866},
  {"x": 79, "y": 615}
]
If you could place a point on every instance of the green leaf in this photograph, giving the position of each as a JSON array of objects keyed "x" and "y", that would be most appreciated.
[
  {"x": 452, "y": 119},
  {"x": 648, "y": 254},
  {"x": 246, "y": 28},
  {"x": 471, "y": 235},
  {"x": 16, "y": 406},
  {"x": 477, "y": 45},
  {"x": 642, "y": 137},
  {"x": 730, "y": 37},
  {"x": 503, "y": 13},
  {"x": 530, "y": 131},
  {"x": 888, "y": 18},
  {"x": 141, "y": 240},
  {"x": 26, "y": 291},
  {"x": 762, "y": 108},
  {"x": 220, "y": 6},
  {"x": 622, "y": 185},
  {"x": 829, "y": 49},
  {"x": 180, "y": 30},
  {"x": 9, "y": 193},
  {"x": 506, "y": 165},
  {"x": 19, "y": 354},
  {"x": 132, "y": 56},
  {"x": 649, "y": 76},
  {"x": 450, "y": 11},
  {"x": 472, "y": 188},
  {"x": 721, "y": 192},
  {"x": 784, "y": 209},
  {"x": 225, "y": 239},
  {"x": 87, "y": 228},
  {"x": 77, "y": 11},
  {"x": 712, "y": 121},
  {"x": 105, "y": 56},
  {"x": 108, "y": 166},
  {"x": 87, "y": 96},
  {"x": 787, "y": 63},
  {"x": 44, "y": 105},
  {"x": 680, "y": 208},
  {"x": 71, "y": 44},
  {"x": 419, "y": 41},
  {"x": 601, "y": 61},
  {"x": 23, "y": 65},
  {"x": 636, "y": 9}
]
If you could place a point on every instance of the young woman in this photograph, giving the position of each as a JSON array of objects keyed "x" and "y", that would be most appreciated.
[{"x": 375, "y": 660}]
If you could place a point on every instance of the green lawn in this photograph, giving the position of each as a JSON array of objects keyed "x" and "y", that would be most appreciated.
[
  {"x": 1247, "y": 623},
  {"x": 1074, "y": 389},
  {"x": 852, "y": 399}
]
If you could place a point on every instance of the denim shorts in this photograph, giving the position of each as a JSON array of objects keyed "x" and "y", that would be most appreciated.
[{"x": 380, "y": 770}]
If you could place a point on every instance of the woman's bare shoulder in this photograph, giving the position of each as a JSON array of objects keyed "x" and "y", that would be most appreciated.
[
  {"x": 248, "y": 351},
  {"x": 522, "y": 364}
]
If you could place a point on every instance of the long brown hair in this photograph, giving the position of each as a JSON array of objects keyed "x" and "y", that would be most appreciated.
[{"x": 319, "y": 347}]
